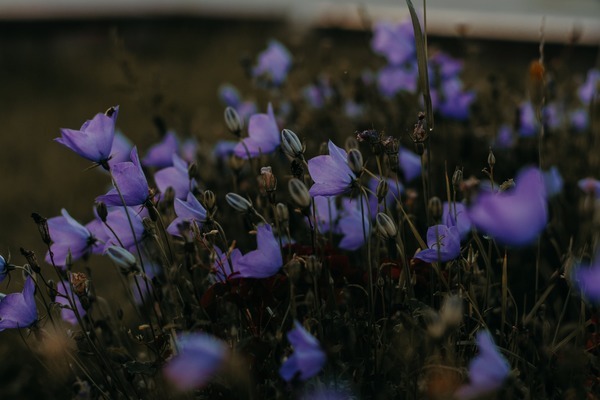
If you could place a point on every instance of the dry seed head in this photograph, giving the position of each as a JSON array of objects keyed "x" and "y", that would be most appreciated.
[{"x": 267, "y": 179}]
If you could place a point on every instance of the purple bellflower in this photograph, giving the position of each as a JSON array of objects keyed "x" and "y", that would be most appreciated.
[
  {"x": 263, "y": 136},
  {"x": 68, "y": 235},
  {"x": 515, "y": 217},
  {"x": 410, "y": 164},
  {"x": 587, "y": 279},
  {"x": 326, "y": 213},
  {"x": 350, "y": 226},
  {"x": 63, "y": 297},
  {"x": 117, "y": 220},
  {"x": 487, "y": 371},
  {"x": 266, "y": 260},
  {"x": 455, "y": 214},
  {"x": 121, "y": 147},
  {"x": 161, "y": 154},
  {"x": 331, "y": 173},
  {"x": 446, "y": 65},
  {"x": 552, "y": 115},
  {"x": 505, "y": 138},
  {"x": 273, "y": 64},
  {"x": 579, "y": 119},
  {"x": 528, "y": 123},
  {"x": 223, "y": 268},
  {"x": 443, "y": 242},
  {"x": 94, "y": 140},
  {"x": 200, "y": 357},
  {"x": 308, "y": 358},
  {"x": 187, "y": 211},
  {"x": 590, "y": 87},
  {"x": 18, "y": 310},
  {"x": 391, "y": 80},
  {"x": 189, "y": 149},
  {"x": 456, "y": 102},
  {"x": 396, "y": 42},
  {"x": 176, "y": 177},
  {"x": 131, "y": 180},
  {"x": 590, "y": 186},
  {"x": 553, "y": 182}
]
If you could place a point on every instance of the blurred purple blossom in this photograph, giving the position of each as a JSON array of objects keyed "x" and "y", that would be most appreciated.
[
  {"x": 187, "y": 211},
  {"x": 308, "y": 358},
  {"x": 443, "y": 242},
  {"x": 552, "y": 115},
  {"x": 410, "y": 164},
  {"x": 487, "y": 371},
  {"x": 455, "y": 102},
  {"x": 18, "y": 310},
  {"x": 391, "y": 80},
  {"x": 189, "y": 150},
  {"x": 266, "y": 260},
  {"x": 446, "y": 65},
  {"x": 95, "y": 138},
  {"x": 455, "y": 214},
  {"x": 200, "y": 356},
  {"x": 590, "y": 87},
  {"x": 553, "y": 182},
  {"x": 331, "y": 173},
  {"x": 230, "y": 96},
  {"x": 528, "y": 123},
  {"x": 66, "y": 313},
  {"x": 263, "y": 136},
  {"x": 515, "y": 217},
  {"x": 223, "y": 149},
  {"x": 590, "y": 185},
  {"x": 579, "y": 119},
  {"x": 394, "y": 41},
  {"x": 175, "y": 176},
  {"x": 587, "y": 278},
  {"x": 505, "y": 138},
  {"x": 161, "y": 154},
  {"x": 350, "y": 225},
  {"x": 273, "y": 64},
  {"x": 132, "y": 182},
  {"x": 68, "y": 235}
]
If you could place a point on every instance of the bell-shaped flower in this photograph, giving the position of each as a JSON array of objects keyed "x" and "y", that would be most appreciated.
[
  {"x": 308, "y": 358},
  {"x": 331, "y": 173},
  {"x": 587, "y": 278},
  {"x": 95, "y": 138},
  {"x": 200, "y": 356},
  {"x": 187, "y": 211},
  {"x": 225, "y": 267},
  {"x": 443, "y": 242},
  {"x": 456, "y": 102},
  {"x": 266, "y": 260},
  {"x": 176, "y": 177},
  {"x": 121, "y": 147},
  {"x": 410, "y": 164},
  {"x": 132, "y": 182},
  {"x": 396, "y": 42},
  {"x": 455, "y": 214},
  {"x": 66, "y": 298},
  {"x": 487, "y": 371},
  {"x": 18, "y": 310},
  {"x": 69, "y": 236},
  {"x": 263, "y": 136},
  {"x": 350, "y": 224},
  {"x": 273, "y": 64},
  {"x": 515, "y": 217},
  {"x": 161, "y": 154},
  {"x": 119, "y": 231},
  {"x": 391, "y": 80}
]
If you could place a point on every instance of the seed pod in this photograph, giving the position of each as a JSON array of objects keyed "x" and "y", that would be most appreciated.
[
  {"x": 435, "y": 208},
  {"x": 355, "y": 161},
  {"x": 291, "y": 145},
  {"x": 234, "y": 122},
  {"x": 299, "y": 192},
  {"x": 238, "y": 202},
  {"x": 282, "y": 213},
  {"x": 385, "y": 226}
]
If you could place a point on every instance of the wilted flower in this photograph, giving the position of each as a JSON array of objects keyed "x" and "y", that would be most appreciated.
[
  {"x": 273, "y": 64},
  {"x": 200, "y": 356},
  {"x": 176, "y": 177},
  {"x": 487, "y": 371},
  {"x": 331, "y": 173},
  {"x": 587, "y": 279},
  {"x": 161, "y": 154},
  {"x": 70, "y": 237},
  {"x": 66, "y": 297},
  {"x": 131, "y": 181},
  {"x": 263, "y": 136},
  {"x": 308, "y": 358},
  {"x": 190, "y": 210},
  {"x": 266, "y": 260},
  {"x": 515, "y": 217},
  {"x": 443, "y": 242},
  {"x": 18, "y": 310}
]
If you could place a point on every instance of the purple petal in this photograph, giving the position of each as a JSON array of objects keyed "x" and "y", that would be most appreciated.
[
  {"x": 263, "y": 136},
  {"x": 455, "y": 214},
  {"x": 161, "y": 154},
  {"x": 66, "y": 313},
  {"x": 131, "y": 181},
  {"x": 18, "y": 310},
  {"x": 410, "y": 164},
  {"x": 266, "y": 260},
  {"x": 308, "y": 358},
  {"x": 587, "y": 279}
]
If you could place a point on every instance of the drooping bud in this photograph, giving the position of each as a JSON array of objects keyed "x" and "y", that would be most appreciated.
[
  {"x": 435, "y": 208},
  {"x": 234, "y": 122},
  {"x": 123, "y": 259},
  {"x": 386, "y": 226},
  {"x": 238, "y": 202},
  {"x": 291, "y": 145},
  {"x": 355, "y": 161},
  {"x": 102, "y": 211},
  {"x": 382, "y": 190},
  {"x": 299, "y": 193}
]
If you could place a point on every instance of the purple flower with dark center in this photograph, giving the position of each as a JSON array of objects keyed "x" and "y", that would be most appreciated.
[
  {"x": 350, "y": 226},
  {"x": 187, "y": 211},
  {"x": 131, "y": 181},
  {"x": 161, "y": 154},
  {"x": 331, "y": 174},
  {"x": 590, "y": 87},
  {"x": 273, "y": 64},
  {"x": 95, "y": 138},
  {"x": 455, "y": 214},
  {"x": 18, "y": 310},
  {"x": 263, "y": 136},
  {"x": 514, "y": 217},
  {"x": 443, "y": 242},
  {"x": 65, "y": 297},
  {"x": 410, "y": 164},
  {"x": 553, "y": 182},
  {"x": 224, "y": 267},
  {"x": 579, "y": 119},
  {"x": 176, "y": 177},
  {"x": 396, "y": 42},
  {"x": 121, "y": 147},
  {"x": 587, "y": 278},
  {"x": 308, "y": 358},
  {"x": 266, "y": 260},
  {"x": 528, "y": 123},
  {"x": 487, "y": 371},
  {"x": 391, "y": 80},
  {"x": 117, "y": 221},
  {"x": 590, "y": 186},
  {"x": 200, "y": 357},
  {"x": 326, "y": 213},
  {"x": 68, "y": 235}
]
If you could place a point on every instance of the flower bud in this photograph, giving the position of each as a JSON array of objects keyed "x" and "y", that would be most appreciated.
[
  {"x": 382, "y": 190},
  {"x": 290, "y": 144},
  {"x": 210, "y": 200},
  {"x": 355, "y": 161},
  {"x": 457, "y": 178},
  {"x": 282, "y": 213},
  {"x": 299, "y": 192},
  {"x": 491, "y": 159},
  {"x": 193, "y": 171},
  {"x": 234, "y": 122},
  {"x": 435, "y": 208},
  {"x": 102, "y": 211},
  {"x": 124, "y": 259},
  {"x": 385, "y": 226},
  {"x": 350, "y": 143},
  {"x": 238, "y": 202}
]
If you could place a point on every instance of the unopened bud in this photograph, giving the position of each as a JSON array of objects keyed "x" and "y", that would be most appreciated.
[
  {"x": 123, "y": 258},
  {"x": 435, "y": 208},
  {"x": 457, "y": 178},
  {"x": 193, "y": 171},
  {"x": 282, "y": 213},
  {"x": 238, "y": 202},
  {"x": 210, "y": 200},
  {"x": 102, "y": 211},
  {"x": 382, "y": 190},
  {"x": 299, "y": 192},
  {"x": 234, "y": 123},
  {"x": 168, "y": 196},
  {"x": 290, "y": 144},
  {"x": 355, "y": 161},
  {"x": 491, "y": 159},
  {"x": 386, "y": 226}
]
